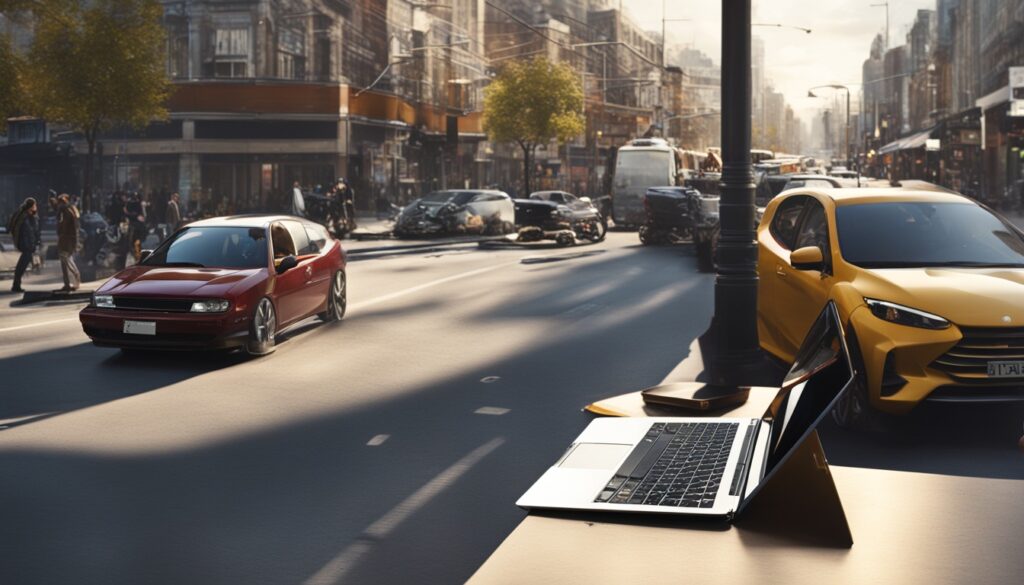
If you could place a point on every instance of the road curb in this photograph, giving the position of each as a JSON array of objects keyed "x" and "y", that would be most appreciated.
[
  {"x": 424, "y": 245},
  {"x": 42, "y": 296}
]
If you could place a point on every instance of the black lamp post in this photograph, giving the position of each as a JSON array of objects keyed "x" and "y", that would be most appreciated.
[{"x": 735, "y": 358}]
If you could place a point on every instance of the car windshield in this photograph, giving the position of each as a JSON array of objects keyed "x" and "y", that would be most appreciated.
[
  {"x": 918, "y": 234},
  {"x": 214, "y": 247},
  {"x": 643, "y": 168}
]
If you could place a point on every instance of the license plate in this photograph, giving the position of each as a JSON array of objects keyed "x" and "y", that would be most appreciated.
[
  {"x": 1006, "y": 369},
  {"x": 140, "y": 327}
]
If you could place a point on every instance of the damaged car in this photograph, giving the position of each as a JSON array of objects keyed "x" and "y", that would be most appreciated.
[
  {"x": 682, "y": 214},
  {"x": 457, "y": 212},
  {"x": 560, "y": 216}
]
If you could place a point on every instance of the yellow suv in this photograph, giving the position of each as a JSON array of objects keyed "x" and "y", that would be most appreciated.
[{"x": 929, "y": 284}]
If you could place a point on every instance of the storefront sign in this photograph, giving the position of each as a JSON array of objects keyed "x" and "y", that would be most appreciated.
[
  {"x": 932, "y": 144},
  {"x": 1017, "y": 91}
]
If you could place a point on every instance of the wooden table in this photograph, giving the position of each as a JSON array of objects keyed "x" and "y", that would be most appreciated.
[{"x": 908, "y": 528}]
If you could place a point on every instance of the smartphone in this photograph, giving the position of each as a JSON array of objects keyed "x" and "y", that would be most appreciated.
[{"x": 695, "y": 396}]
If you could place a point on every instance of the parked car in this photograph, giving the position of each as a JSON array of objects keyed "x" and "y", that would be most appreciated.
[
  {"x": 555, "y": 211},
  {"x": 682, "y": 214},
  {"x": 459, "y": 211},
  {"x": 225, "y": 282},
  {"x": 928, "y": 285}
]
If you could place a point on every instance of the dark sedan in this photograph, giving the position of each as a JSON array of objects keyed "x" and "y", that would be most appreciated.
[{"x": 222, "y": 283}]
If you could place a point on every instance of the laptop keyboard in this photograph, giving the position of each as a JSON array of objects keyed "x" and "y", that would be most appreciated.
[{"x": 676, "y": 464}]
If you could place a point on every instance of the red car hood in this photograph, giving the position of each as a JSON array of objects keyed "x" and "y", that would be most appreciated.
[{"x": 176, "y": 282}]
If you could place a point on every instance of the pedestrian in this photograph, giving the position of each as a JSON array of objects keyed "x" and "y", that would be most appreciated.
[
  {"x": 298, "y": 201},
  {"x": 172, "y": 217},
  {"x": 67, "y": 241},
  {"x": 24, "y": 228}
]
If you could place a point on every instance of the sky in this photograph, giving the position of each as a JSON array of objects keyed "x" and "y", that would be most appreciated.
[{"x": 842, "y": 31}]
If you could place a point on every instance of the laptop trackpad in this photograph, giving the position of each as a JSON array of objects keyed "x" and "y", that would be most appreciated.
[{"x": 596, "y": 456}]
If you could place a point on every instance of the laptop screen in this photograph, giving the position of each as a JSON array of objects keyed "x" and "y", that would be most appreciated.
[{"x": 819, "y": 375}]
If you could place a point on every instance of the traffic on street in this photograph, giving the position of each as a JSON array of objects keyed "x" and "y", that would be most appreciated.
[{"x": 500, "y": 292}]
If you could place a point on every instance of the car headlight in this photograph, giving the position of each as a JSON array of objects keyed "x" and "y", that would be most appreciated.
[
  {"x": 103, "y": 301},
  {"x": 905, "y": 315},
  {"x": 214, "y": 306}
]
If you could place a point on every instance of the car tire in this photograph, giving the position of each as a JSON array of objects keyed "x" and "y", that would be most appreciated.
[
  {"x": 853, "y": 410},
  {"x": 646, "y": 235},
  {"x": 337, "y": 298},
  {"x": 707, "y": 248},
  {"x": 262, "y": 329},
  {"x": 598, "y": 231}
]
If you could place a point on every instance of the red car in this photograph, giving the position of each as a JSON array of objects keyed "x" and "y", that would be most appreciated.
[{"x": 222, "y": 283}]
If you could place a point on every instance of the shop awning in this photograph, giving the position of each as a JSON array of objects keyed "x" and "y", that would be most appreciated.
[{"x": 907, "y": 142}]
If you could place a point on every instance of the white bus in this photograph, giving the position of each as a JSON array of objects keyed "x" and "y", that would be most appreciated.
[{"x": 645, "y": 163}]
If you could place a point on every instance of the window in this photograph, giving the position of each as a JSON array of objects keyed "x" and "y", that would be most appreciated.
[
  {"x": 814, "y": 230},
  {"x": 317, "y": 236},
  {"x": 231, "y": 42},
  {"x": 302, "y": 245},
  {"x": 213, "y": 247},
  {"x": 784, "y": 224}
]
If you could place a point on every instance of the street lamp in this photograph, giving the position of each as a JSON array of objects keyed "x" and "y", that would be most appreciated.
[
  {"x": 735, "y": 358},
  {"x": 836, "y": 86},
  {"x": 776, "y": 25}
]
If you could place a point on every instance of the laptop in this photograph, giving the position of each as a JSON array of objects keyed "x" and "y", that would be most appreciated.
[{"x": 699, "y": 466}]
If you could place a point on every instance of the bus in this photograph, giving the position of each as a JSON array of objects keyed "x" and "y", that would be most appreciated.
[{"x": 645, "y": 163}]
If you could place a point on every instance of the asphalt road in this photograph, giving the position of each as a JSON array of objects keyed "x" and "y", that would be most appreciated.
[{"x": 388, "y": 448}]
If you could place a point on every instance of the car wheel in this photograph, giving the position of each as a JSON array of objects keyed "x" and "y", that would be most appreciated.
[
  {"x": 337, "y": 298},
  {"x": 853, "y": 410},
  {"x": 646, "y": 235},
  {"x": 707, "y": 248},
  {"x": 598, "y": 230},
  {"x": 262, "y": 329}
]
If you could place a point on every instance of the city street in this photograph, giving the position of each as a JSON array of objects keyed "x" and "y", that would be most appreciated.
[{"x": 388, "y": 448}]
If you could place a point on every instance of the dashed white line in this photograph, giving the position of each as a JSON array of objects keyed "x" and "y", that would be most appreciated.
[
  {"x": 346, "y": 560},
  {"x": 377, "y": 440},
  {"x": 491, "y": 410},
  {"x": 54, "y": 322},
  {"x": 427, "y": 285}
]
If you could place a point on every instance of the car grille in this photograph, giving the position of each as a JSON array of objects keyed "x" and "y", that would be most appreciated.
[
  {"x": 151, "y": 304},
  {"x": 967, "y": 362}
]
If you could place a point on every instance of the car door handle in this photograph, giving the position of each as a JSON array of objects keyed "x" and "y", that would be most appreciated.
[
  {"x": 309, "y": 272},
  {"x": 780, "y": 271}
]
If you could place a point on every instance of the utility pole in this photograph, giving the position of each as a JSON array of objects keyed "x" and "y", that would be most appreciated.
[{"x": 736, "y": 358}]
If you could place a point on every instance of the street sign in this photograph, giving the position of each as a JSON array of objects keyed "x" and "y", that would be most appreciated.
[{"x": 932, "y": 144}]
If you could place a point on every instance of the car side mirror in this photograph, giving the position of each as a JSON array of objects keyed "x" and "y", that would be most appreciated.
[
  {"x": 287, "y": 263},
  {"x": 807, "y": 258},
  {"x": 144, "y": 254}
]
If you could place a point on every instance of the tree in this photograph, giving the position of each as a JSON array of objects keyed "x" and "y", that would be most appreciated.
[
  {"x": 532, "y": 103},
  {"x": 10, "y": 89},
  {"x": 94, "y": 65}
]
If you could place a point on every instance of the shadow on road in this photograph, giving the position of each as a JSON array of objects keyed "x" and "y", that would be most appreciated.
[{"x": 47, "y": 383}]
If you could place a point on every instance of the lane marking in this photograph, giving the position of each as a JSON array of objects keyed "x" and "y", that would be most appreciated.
[
  {"x": 44, "y": 323},
  {"x": 491, "y": 410},
  {"x": 346, "y": 560},
  {"x": 431, "y": 284},
  {"x": 490, "y": 379},
  {"x": 377, "y": 440},
  {"x": 582, "y": 310}
]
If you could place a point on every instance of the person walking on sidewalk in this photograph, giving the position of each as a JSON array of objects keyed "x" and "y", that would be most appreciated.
[
  {"x": 67, "y": 241},
  {"x": 173, "y": 215},
  {"x": 25, "y": 231}
]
